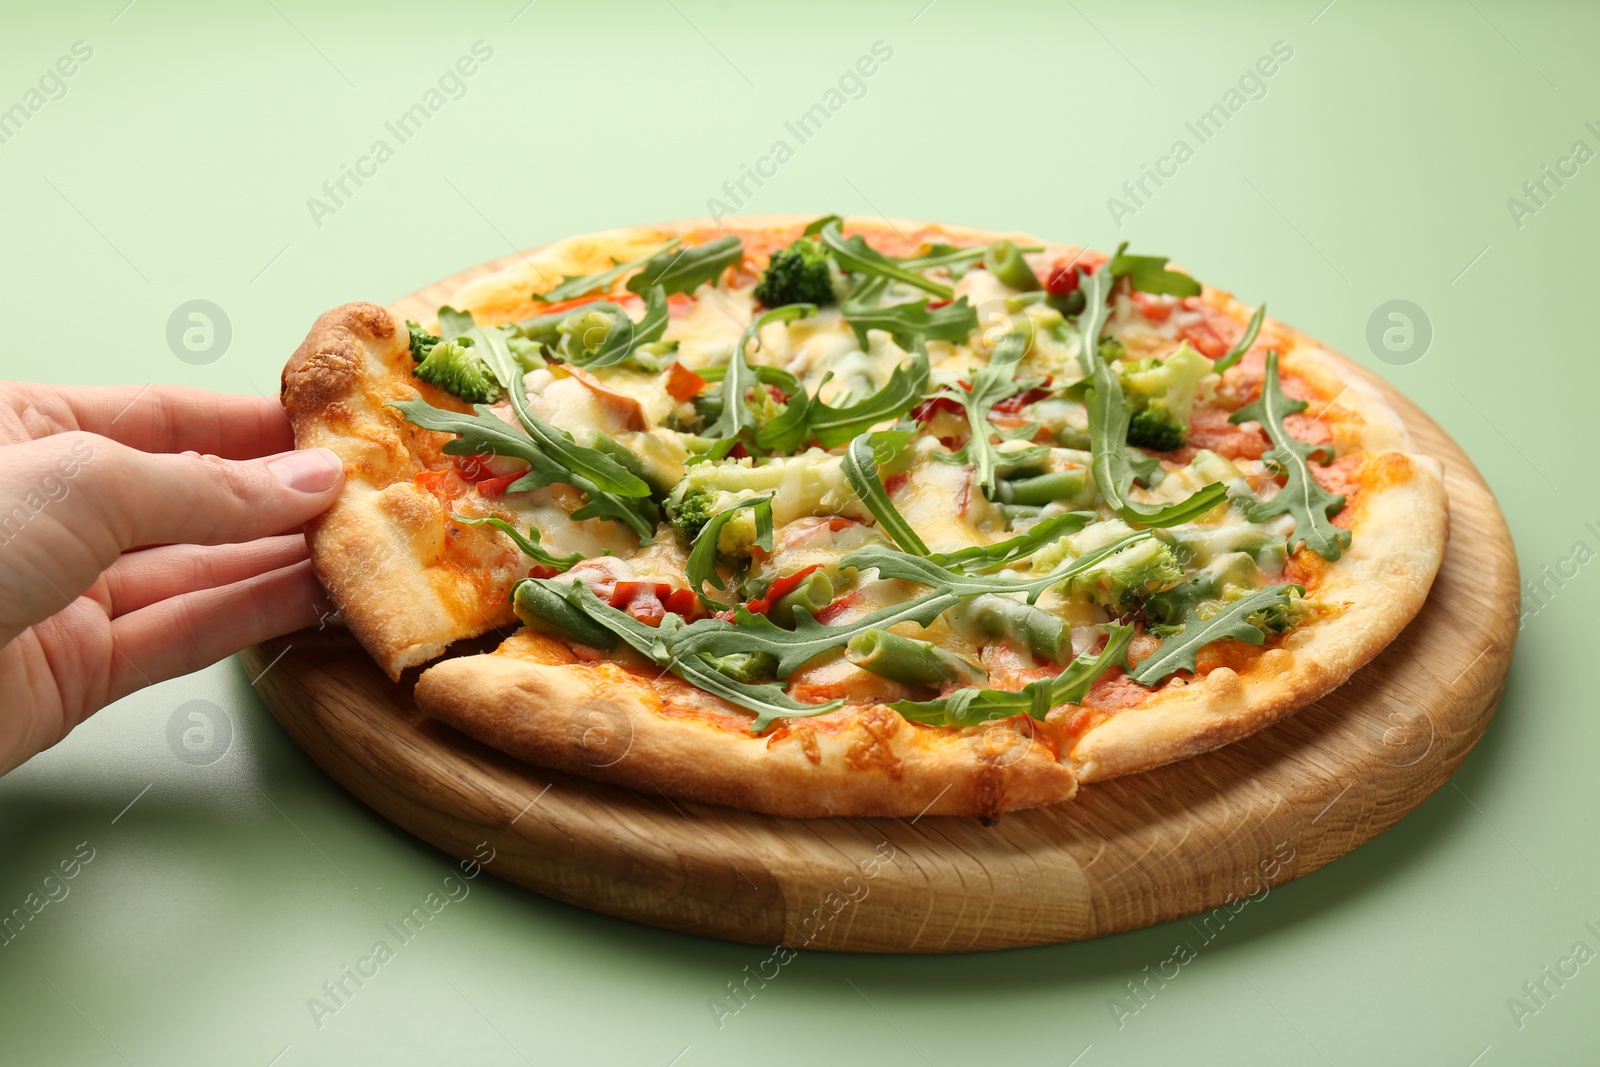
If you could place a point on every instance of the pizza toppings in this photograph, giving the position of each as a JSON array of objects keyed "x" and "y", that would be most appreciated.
[
  {"x": 1161, "y": 394},
  {"x": 803, "y": 273},
  {"x": 873, "y": 472},
  {"x": 1301, "y": 497},
  {"x": 452, "y": 366}
]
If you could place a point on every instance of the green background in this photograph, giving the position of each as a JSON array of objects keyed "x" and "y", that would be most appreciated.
[{"x": 1377, "y": 166}]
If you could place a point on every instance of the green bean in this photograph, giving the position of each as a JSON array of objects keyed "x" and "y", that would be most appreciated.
[
  {"x": 1042, "y": 489},
  {"x": 909, "y": 661},
  {"x": 957, "y": 257},
  {"x": 544, "y": 328},
  {"x": 813, "y": 594},
  {"x": 998, "y": 616},
  {"x": 1005, "y": 262},
  {"x": 546, "y": 611}
]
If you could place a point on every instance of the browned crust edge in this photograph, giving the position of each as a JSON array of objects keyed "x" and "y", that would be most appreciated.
[
  {"x": 600, "y": 721},
  {"x": 373, "y": 547}
]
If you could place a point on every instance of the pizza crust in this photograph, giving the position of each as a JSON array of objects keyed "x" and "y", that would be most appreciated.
[{"x": 531, "y": 699}]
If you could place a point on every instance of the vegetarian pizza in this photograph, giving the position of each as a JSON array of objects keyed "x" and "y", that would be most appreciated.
[{"x": 858, "y": 518}]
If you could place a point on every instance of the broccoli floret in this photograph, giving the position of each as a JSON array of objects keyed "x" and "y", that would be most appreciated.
[
  {"x": 1282, "y": 619},
  {"x": 746, "y": 666},
  {"x": 1155, "y": 428},
  {"x": 422, "y": 341},
  {"x": 1199, "y": 546},
  {"x": 1120, "y": 582},
  {"x": 690, "y": 512},
  {"x": 811, "y": 483},
  {"x": 803, "y": 273},
  {"x": 452, "y": 367},
  {"x": 1161, "y": 394},
  {"x": 1229, "y": 573}
]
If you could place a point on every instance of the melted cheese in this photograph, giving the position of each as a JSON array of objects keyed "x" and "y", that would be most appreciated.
[
  {"x": 707, "y": 334},
  {"x": 572, "y": 405},
  {"x": 943, "y": 506},
  {"x": 550, "y": 510}
]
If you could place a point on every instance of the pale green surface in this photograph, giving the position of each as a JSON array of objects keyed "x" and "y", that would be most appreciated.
[{"x": 1387, "y": 147}]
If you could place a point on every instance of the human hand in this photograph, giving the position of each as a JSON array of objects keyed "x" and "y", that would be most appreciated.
[{"x": 87, "y": 477}]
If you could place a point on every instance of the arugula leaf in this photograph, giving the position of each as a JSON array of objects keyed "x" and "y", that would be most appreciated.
[
  {"x": 991, "y": 383},
  {"x": 1149, "y": 274},
  {"x": 1147, "y": 469},
  {"x": 1249, "y": 338},
  {"x": 790, "y": 428},
  {"x": 890, "y": 563},
  {"x": 794, "y": 648},
  {"x": 550, "y": 451},
  {"x": 1177, "y": 652},
  {"x": 528, "y": 546},
  {"x": 595, "y": 469},
  {"x": 834, "y": 426},
  {"x": 453, "y": 323},
  {"x": 815, "y": 226},
  {"x": 577, "y": 285},
  {"x": 969, "y": 707},
  {"x": 980, "y": 558},
  {"x": 769, "y": 702},
  {"x": 626, "y": 335},
  {"x": 715, "y": 454},
  {"x": 861, "y": 468},
  {"x": 857, "y": 256},
  {"x": 1301, "y": 496},
  {"x": 702, "y": 565},
  {"x": 685, "y": 270},
  {"x": 956, "y": 259},
  {"x": 910, "y": 324},
  {"x": 738, "y": 377},
  {"x": 1113, "y": 465},
  {"x": 691, "y": 650},
  {"x": 638, "y": 514},
  {"x": 484, "y": 433}
]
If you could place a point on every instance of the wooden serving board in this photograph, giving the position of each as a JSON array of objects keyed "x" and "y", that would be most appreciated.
[{"x": 1127, "y": 853}]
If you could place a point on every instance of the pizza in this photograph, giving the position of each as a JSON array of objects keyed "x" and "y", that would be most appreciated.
[{"x": 856, "y": 517}]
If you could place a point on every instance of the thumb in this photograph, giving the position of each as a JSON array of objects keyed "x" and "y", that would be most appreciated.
[{"x": 71, "y": 503}]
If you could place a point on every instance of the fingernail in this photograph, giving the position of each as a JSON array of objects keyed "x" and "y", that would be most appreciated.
[{"x": 312, "y": 470}]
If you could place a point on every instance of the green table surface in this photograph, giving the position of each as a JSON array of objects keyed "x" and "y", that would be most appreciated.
[{"x": 1384, "y": 159}]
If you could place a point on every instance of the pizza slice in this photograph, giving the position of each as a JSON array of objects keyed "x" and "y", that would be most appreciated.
[{"x": 877, "y": 519}]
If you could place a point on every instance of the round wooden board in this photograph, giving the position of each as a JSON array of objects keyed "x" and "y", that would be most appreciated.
[{"x": 1123, "y": 854}]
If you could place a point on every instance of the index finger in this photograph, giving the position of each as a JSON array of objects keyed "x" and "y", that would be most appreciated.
[{"x": 161, "y": 418}]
